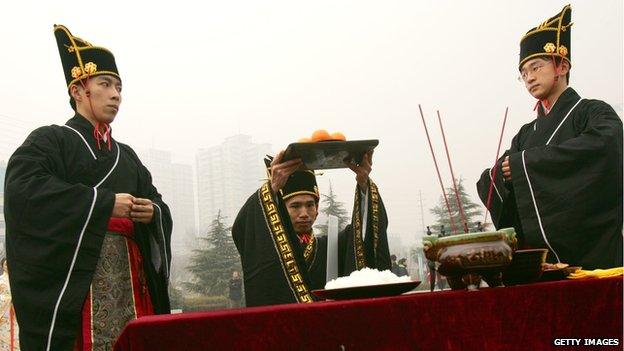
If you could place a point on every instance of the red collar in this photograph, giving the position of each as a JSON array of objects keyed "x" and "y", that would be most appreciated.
[{"x": 304, "y": 238}]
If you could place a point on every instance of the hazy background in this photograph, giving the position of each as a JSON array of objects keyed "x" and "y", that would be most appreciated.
[{"x": 197, "y": 73}]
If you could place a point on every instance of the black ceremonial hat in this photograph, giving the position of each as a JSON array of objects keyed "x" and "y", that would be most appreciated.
[
  {"x": 299, "y": 183},
  {"x": 82, "y": 60},
  {"x": 551, "y": 38}
]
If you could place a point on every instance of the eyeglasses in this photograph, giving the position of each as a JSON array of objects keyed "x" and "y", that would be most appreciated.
[{"x": 524, "y": 74}]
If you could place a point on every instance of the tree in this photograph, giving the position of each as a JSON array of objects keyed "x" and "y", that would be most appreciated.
[
  {"x": 335, "y": 208},
  {"x": 472, "y": 211},
  {"x": 212, "y": 265},
  {"x": 176, "y": 297}
]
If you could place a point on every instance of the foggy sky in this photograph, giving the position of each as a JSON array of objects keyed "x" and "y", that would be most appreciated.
[{"x": 194, "y": 74}]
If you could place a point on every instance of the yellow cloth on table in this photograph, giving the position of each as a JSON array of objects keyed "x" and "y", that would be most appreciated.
[{"x": 597, "y": 273}]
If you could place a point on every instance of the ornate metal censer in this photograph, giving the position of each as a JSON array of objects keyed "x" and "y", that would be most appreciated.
[{"x": 465, "y": 259}]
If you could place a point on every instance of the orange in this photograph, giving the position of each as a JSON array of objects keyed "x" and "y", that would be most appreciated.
[
  {"x": 320, "y": 135},
  {"x": 338, "y": 136},
  {"x": 304, "y": 140}
]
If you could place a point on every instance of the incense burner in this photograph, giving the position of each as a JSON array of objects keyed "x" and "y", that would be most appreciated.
[{"x": 465, "y": 259}]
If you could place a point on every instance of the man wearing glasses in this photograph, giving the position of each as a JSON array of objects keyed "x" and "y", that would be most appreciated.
[{"x": 560, "y": 183}]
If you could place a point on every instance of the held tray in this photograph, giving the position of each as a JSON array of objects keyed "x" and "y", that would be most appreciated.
[{"x": 329, "y": 154}]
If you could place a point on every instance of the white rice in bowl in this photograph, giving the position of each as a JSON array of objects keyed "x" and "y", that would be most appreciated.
[{"x": 366, "y": 276}]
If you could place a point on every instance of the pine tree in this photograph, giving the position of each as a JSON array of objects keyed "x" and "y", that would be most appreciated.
[
  {"x": 472, "y": 211},
  {"x": 335, "y": 208},
  {"x": 176, "y": 297},
  {"x": 212, "y": 265}
]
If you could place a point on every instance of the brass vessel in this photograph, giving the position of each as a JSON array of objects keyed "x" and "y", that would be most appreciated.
[{"x": 465, "y": 259}]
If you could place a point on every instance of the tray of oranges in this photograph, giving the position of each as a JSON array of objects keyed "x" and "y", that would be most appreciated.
[{"x": 324, "y": 150}]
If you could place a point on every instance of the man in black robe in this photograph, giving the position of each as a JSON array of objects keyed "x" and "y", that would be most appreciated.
[
  {"x": 87, "y": 233},
  {"x": 560, "y": 183},
  {"x": 282, "y": 260}
]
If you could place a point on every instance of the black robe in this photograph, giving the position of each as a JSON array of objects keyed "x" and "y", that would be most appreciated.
[
  {"x": 566, "y": 189},
  {"x": 277, "y": 269},
  {"x": 59, "y": 195}
]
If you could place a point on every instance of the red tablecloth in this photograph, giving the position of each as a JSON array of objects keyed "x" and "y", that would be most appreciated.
[{"x": 528, "y": 317}]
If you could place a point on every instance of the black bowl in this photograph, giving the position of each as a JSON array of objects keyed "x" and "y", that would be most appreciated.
[{"x": 525, "y": 267}]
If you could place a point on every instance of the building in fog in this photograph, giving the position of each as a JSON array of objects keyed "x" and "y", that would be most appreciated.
[
  {"x": 226, "y": 175},
  {"x": 395, "y": 244},
  {"x": 174, "y": 182}
]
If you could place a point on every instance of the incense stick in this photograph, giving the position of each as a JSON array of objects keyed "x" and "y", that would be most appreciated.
[
  {"x": 448, "y": 207},
  {"x": 500, "y": 140},
  {"x": 448, "y": 157}
]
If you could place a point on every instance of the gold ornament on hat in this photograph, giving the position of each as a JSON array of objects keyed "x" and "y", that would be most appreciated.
[
  {"x": 76, "y": 72},
  {"x": 563, "y": 51},
  {"x": 90, "y": 68},
  {"x": 550, "y": 48}
]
